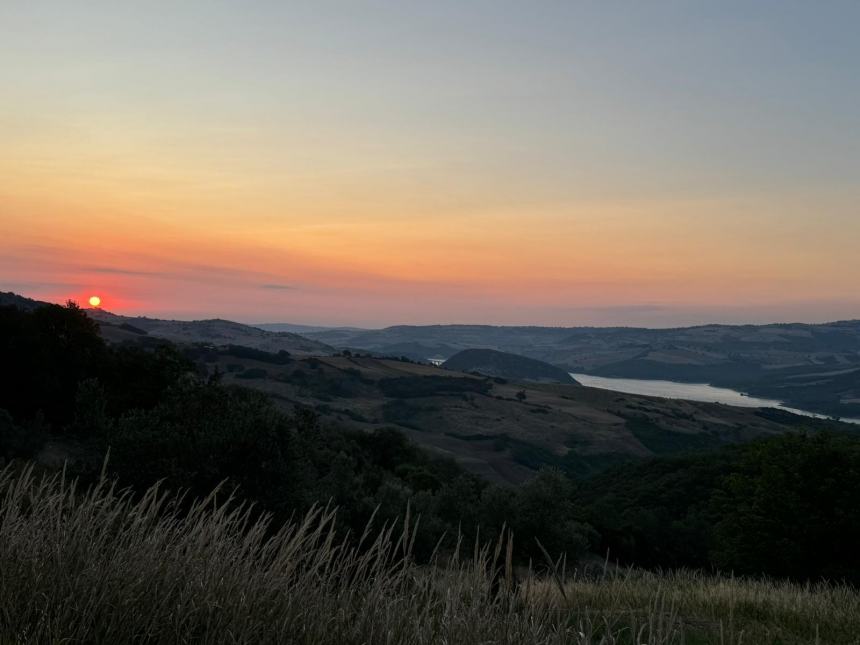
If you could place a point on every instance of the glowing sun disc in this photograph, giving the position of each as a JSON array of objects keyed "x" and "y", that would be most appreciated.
[{"x": 95, "y": 301}]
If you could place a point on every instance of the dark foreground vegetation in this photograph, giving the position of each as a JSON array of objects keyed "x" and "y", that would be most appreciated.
[{"x": 106, "y": 565}]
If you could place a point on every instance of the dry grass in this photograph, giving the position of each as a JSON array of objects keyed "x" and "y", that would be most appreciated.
[
  {"x": 712, "y": 609},
  {"x": 98, "y": 566}
]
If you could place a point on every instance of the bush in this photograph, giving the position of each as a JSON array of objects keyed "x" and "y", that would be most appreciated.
[{"x": 16, "y": 441}]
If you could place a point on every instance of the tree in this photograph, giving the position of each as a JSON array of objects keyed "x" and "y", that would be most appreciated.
[
  {"x": 45, "y": 353},
  {"x": 15, "y": 441},
  {"x": 790, "y": 509},
  {"x": 544, "y": 510}
]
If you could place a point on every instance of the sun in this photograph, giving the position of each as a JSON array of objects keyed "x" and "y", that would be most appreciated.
[{"x": 95, "y": 301}]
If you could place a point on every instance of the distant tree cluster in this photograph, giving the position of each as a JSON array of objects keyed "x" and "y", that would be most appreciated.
[{"x": 786, "y": 507}]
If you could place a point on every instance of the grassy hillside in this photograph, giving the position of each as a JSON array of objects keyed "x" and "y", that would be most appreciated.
[
  {"x": 501, "y": 430},
  {"x": 216, "y": 331},
  {"x": 116, "y": 328}
]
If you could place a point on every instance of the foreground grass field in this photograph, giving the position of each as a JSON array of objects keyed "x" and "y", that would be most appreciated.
[{"x": 97, "y": 566}]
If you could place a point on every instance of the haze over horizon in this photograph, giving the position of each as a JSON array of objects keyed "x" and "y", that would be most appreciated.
[
  {"x": 352, "y": 163},
  {"x": 646, "y": 316}
]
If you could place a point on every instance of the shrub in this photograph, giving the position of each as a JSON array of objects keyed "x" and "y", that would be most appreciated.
[{"x": 16, "y": 441}]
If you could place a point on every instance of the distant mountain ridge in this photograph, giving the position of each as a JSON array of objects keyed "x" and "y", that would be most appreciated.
[
  {"x": 814, "y": 367},
  {"x": 117, "y": 328},
  {"x": 810, "y": 366},
  {"x": 10, "y": 299},
  {"x": 304, "y": 329},
  {"x": 218, "y": 332},
  {"x": 509, "y": 366}
]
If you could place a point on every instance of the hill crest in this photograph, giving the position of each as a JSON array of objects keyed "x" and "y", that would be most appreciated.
[{"x": 506, "y": 365}]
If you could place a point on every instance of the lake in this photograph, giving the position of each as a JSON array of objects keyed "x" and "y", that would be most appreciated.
[{"x": 691, "y": 392}]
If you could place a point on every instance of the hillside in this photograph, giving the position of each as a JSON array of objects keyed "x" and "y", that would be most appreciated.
[
  {"x": 10, "y": 299},
  {"x": 174, "y": 414},
  {"x": 215, "y": 331},
  {"x": 304, "y": 329},
  {"x": 483, "y": 425},
  {"x": 502, "y": 430},
  {"x": 816, "y": 367},
  {"x": 511, "y": 366},
  {"x": 116, "y": 328}
]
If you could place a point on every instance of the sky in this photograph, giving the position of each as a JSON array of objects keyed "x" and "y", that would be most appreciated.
[{"x": 369, "y": 163}]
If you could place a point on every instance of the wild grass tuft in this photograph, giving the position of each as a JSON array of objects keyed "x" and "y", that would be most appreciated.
[{"x": 101, "y": 566}]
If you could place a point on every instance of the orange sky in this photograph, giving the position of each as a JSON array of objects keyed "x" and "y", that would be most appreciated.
[{"x": 176, "y": 176}]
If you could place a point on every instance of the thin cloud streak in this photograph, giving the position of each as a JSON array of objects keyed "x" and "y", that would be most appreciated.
[{"x": 118, "y": 271}]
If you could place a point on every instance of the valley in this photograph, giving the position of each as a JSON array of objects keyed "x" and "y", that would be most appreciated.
[
  {"x": 501, "y": 430},
  {"x": 814, "y": 367}
]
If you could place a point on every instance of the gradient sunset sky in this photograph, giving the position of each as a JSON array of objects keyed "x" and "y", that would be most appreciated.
[{"x": 562, "y": 163}]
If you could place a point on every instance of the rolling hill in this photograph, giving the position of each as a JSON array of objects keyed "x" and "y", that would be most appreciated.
[
  {"x": 10, "y": 299},
  {"x": 215, "y": 331},
  {"x": 482, "y": 423},
  {"x": 513, "y": 366},
  {"x": 116, "y": 328},
  {"x": 816, "y": 367},
  {"x": 504, "y": 430}
]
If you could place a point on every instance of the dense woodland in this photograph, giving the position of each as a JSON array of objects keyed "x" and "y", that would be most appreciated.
[{"x": 783, "y": 507}]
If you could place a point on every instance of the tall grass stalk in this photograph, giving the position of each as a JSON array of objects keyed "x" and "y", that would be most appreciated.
[{"x": 102, "y": 566}]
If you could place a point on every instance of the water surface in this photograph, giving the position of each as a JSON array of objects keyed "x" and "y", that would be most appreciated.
[{"x": 690, "y": 392}]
